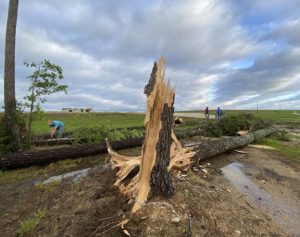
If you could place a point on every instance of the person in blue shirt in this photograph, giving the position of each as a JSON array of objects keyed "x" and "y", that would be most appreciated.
[
  {"x": 57, "y": 128},
  {"x": 219, "y": 113}
]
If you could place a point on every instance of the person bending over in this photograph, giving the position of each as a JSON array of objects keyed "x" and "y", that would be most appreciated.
[{"x": 57, "y": 128}]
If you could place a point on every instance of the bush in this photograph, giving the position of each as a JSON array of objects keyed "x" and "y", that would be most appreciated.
[
  {"x": 91, "y": 134},
  {"x": 116, "y": 135},
  {"x": 134, "y": 133},
  {"x": 231, "y": 124},
  {"x": 212, "y": 129},
  {"x": 98, "y": 134}
]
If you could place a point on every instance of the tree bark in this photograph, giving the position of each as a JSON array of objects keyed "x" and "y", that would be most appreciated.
[
  {"x": 213, "y": 148},
  {"x": 11, "y": 125},
  {"x": 161, "y": 182}
]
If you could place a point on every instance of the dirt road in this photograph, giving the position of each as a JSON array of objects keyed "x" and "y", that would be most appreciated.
[{"x": 193, "y": 115}]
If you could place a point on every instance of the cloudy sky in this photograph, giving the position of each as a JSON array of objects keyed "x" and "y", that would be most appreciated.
[{"x": 227, "y": 53}]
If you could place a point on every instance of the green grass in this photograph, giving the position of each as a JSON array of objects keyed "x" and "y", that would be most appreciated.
[
  {"x": 291, "y": 151},
  {"x": 29, "y": 224},
  {"x": 277, "y": 116},
  {"x": 20, "y": 174},
  {"x": 48, "y": 187}
]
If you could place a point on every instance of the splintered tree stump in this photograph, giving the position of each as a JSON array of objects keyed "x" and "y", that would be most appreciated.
[{"x": 161, "y": 151}]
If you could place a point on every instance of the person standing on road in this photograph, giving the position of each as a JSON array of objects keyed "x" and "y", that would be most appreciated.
[
  {"x": 206, "y": 112},
  {"x": 57, "y": 128}
]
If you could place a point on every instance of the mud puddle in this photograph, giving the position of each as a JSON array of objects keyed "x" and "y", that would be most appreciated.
[{"x": 282, "y": 211}]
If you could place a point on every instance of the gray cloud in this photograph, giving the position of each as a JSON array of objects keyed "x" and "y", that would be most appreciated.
[{"x": 107, "y": 49}]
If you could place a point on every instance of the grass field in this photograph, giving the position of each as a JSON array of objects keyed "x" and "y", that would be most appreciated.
[
  {"x": 123, "y": 120},
  {"x": 76, "y": 120}
]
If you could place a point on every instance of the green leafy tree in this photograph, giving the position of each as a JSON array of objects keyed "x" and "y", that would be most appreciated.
[{"x": 44, "y": 81}]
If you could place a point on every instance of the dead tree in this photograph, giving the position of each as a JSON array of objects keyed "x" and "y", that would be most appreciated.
[{"x": 160, "y": 142}]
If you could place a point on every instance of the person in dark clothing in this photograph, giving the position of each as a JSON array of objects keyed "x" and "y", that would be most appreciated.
[{"x": 206, "y": 112}]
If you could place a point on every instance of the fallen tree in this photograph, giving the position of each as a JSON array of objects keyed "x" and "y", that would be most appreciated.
[
  {"x": 25, "y": 159},
  {"x": 203, "y": 150},
  {"x": 213, "y": 148}
]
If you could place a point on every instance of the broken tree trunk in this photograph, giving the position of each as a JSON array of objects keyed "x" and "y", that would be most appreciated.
[
  {"x": 153, "y": 172},
  {"x": 160, "y": 142}
]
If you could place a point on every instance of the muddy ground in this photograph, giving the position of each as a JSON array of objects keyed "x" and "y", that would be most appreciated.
[{"x": 251, "y": 194}]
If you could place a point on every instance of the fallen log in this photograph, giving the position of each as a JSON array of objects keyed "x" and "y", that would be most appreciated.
[
  {"x": 213, "y": 148},
  {"x": 54, "y": 142},
  {"x": 25, "y": 159}
]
